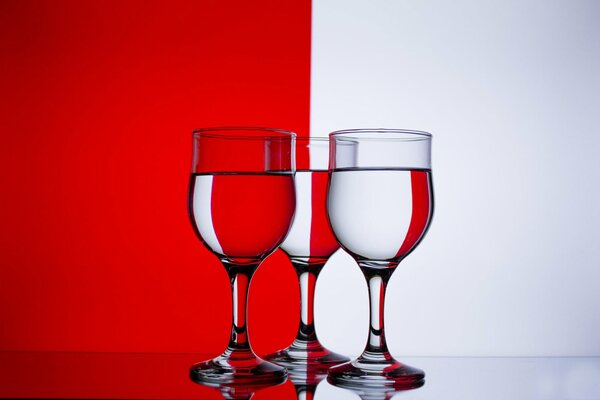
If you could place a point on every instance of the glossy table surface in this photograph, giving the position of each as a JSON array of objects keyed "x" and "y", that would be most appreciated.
[{"x": 165, "y": 376}]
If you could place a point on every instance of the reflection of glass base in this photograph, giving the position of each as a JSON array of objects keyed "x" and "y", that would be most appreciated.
[
  {"x": 364, "y": 373},
  {"x": 234, "y": 391},
  {"x": 237, "y": 367},
  {"x": 303, "y": 355}
]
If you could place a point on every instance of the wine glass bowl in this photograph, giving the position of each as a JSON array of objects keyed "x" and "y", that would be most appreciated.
[
  {"x": 380, "y": 205},
  {"x": 309, "y": 244},
  {"x": 241, "y": 204}
]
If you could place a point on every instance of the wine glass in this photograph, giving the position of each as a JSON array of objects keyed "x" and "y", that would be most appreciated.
[
  {"x": 308, "y": 245},
  {"x": 380, "y": 204},
  {"x": 241, "y": 202}
]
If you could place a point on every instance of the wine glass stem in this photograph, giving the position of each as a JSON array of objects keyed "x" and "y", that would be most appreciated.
[
  {"x": 307, "y": 277},
  {"x": 240, "y": 277},
  {"x": 377, "y": 280}
]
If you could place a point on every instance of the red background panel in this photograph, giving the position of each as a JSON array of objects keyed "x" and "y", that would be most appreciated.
[{"x": 98, "y": 103}]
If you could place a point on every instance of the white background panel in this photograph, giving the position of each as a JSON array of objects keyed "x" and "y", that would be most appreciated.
[{"x": 511, "y": 92}]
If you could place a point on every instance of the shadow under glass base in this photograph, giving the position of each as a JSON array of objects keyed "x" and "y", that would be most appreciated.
[
  {"x": 303, "y": 355},
  {"x": 365, "y": 373},
  {"x": 238, "y": 367}
]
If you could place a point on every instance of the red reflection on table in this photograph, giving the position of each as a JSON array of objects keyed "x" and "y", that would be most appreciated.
[{"x": 109, "y": 376}]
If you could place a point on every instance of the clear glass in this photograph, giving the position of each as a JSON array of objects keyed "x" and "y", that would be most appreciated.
[
  {"x": 241, "y": 202},
  {"x": 380, "y": 204},
  {"x": 309, "y": 244}
]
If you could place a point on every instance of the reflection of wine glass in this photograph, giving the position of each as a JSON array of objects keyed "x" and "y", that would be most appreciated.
[
  {"x": 242, "y": 201},
  {"x": 370, "y": 393},
  {"x": 380, "y": 204},
  {"x": 236, "y": 391},
  {"x": 306, "y": 380},
  {"x": 309, "y": 244},
  {"x": 246, "y": 391}
]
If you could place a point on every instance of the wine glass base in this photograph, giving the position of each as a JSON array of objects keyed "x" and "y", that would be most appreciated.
[
  {"x": 362, "y": 373},
  {"x": 307, "y": 356},
  {"x": 227, "y": 370}
]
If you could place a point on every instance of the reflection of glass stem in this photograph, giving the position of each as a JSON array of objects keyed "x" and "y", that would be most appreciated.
[
  {"x": 236, "y": 393},
  {"x": 376, "y": 395},
  {"x": 373, "y": 394},
  {"x": 306, "y": 382},
  {"x": 305, "y": 392}
]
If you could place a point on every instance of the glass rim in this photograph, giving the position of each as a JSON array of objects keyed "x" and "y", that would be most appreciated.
[
  {"x": 404, "y": 135},
  {"x": 270, "y": 133}
]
